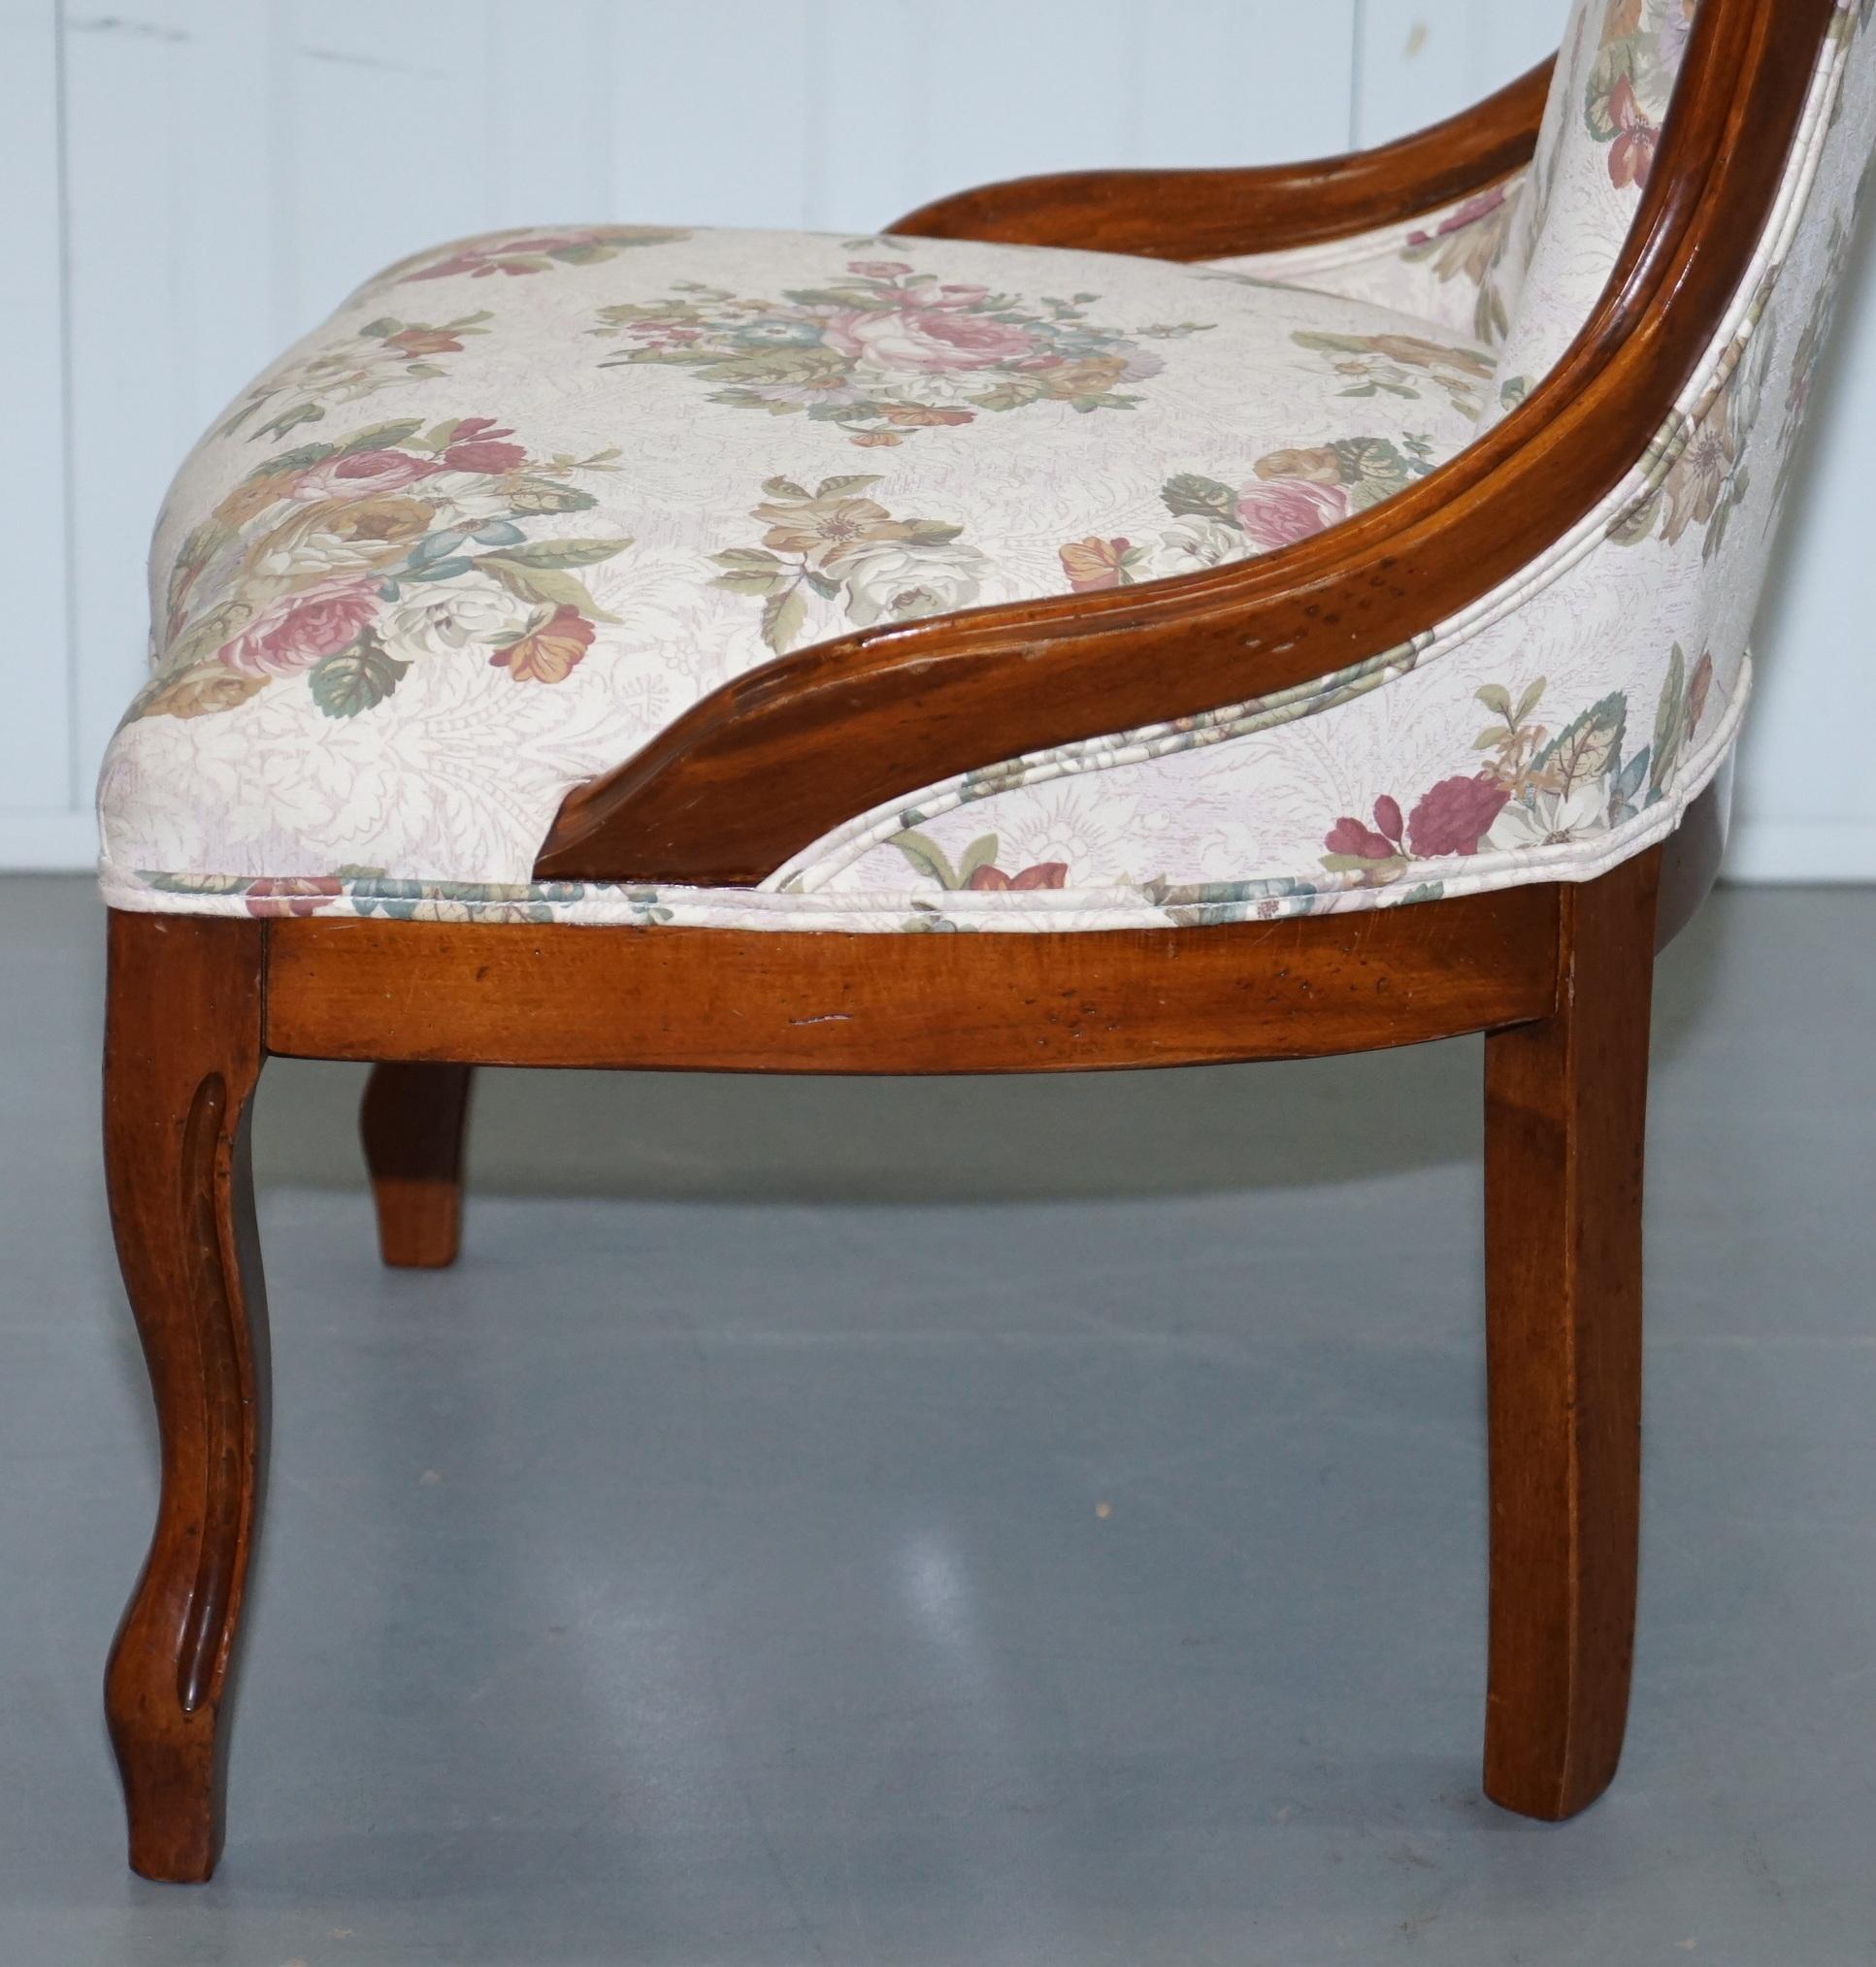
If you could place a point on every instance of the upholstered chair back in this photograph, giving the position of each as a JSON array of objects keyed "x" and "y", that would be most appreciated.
[
  {"x": 1616, "y": 69},
  {"x": 1666, "y": 576}
]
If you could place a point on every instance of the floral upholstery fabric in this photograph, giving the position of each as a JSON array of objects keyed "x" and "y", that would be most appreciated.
[
  {"x": 1450, "y": 266},
  {"x": 1615, "y": 77},
  {"x": 526, "y": 498}
]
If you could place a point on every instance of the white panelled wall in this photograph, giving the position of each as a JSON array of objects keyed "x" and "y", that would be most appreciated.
[{"x": 189, "y": 184}]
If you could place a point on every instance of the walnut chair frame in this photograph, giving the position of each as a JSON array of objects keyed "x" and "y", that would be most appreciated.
[{"x": 1557, "y": 976}]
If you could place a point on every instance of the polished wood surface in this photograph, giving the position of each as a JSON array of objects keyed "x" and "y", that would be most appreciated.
[
  {"x": 1566, "y": 1101},
  {"x": 768, "y": 1001},
  {"x": 1219, "y": 214},
  {"x": 411, "y": 1123},
  {"x": 183, "y": 1051},
  {"x": 776, "y": 758}
]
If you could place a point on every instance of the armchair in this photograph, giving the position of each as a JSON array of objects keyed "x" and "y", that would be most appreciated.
[{"x": 1109, "y": 620}]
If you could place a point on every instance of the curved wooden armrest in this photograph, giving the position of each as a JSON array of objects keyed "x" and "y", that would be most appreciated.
[
  {"x": 766, "y": 765},
  {"x": 1218, "y": 214}
]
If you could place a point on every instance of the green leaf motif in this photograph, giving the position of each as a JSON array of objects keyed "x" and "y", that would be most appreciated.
[
  {"x": 981, "y": 853},
  {"x": 1355, "y": 864},
  {"x": 293, "y": 461},
  {"x": 563, "y": 553},
  {"x": 1615, "y": 64},
  {"x": 381, "y": 436},
  {"x": 287, "y": 422},
  {"x": 541, "y": 495},
  {"x": 1637, "y": 524},
  {"x": 435, "y": 546},
  {"x": 1670, "y": 722},
  {"x": 784, "y": 615},
  {"x": 438, "y": 570},
  {"x": 543, "y": 586},
  {"x": 1372, "y": 470},
  {"x": 356, "y": 680},
  {"x": 1191, "y": 495},
  {"x": 1627, "y": 782},
  {"x": 927, "y": 858},
  {"x": 749, "y": 579},
  {"x": 1586, "y": 748}
]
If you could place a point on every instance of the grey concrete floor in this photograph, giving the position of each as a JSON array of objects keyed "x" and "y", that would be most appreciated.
[{"x": 970, "y": 1522}]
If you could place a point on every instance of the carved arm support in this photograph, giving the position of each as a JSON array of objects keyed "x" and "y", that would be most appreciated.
[{"x": 1217, "y": 214}]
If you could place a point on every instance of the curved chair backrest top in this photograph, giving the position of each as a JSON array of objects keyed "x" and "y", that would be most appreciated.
[
  {"x": 1611, "y": 93},
  {"x": 1631, "y": 287}
]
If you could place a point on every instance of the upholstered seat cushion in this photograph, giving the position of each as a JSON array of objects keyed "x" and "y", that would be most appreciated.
[{"x": 523, "y": 500}]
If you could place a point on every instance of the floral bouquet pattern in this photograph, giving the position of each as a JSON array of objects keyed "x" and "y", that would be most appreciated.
[
  {"x": 1632, "y": 81},
  {"x": 1397, "y": 365},
  {"x": 515, "y": 254},
  {"x": 345, "y": 563},
  {"x": 379, "y": 356},
  {"x": 1536, "y": 790},
  {"x": 884, "y": 352},
  {"x": 835, "y": 546},
  {"x": 1292, "y": 494}
]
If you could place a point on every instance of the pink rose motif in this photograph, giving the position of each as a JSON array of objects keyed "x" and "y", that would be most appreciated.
[
  {"x": 474, "y": 448},
  {"x": 1348, "y": 835},
  {"x": 1044, "y": 875},
  {"x": 355, "y": 473},
  {"x": 1455, "y": 815},
  {"x": 1350, "y": 838},
  {"x": 1279, "y": 511},
  {"x": 298, "y": 629},
  {"x": 879, "y": 269},
  {"x": 959, "y": 294},
  {"x": 927, "y": 339},
  {"x": 1457, "y": 221},
  {"x": 292, "y": 894}
]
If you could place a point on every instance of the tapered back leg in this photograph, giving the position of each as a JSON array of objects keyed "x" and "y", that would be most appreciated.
[
  {"x": 1565, "y": 1112},
  {"x": 413, "y": 1121},
  {"x": 183, "y": 1052}
]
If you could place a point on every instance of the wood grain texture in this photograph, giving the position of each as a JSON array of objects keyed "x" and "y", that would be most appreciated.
[
  {"x": 1194, "y": 215},
  {"x": 764, "y": 1000},
  {"x": 183, "y": 1052},
  {"x": 1565, "y": 1103},
  {"x": 411, "y": 1123},
  {"x": 774, "y": 760}
]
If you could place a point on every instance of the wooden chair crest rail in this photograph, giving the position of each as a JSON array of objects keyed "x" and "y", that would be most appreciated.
[{"x": 1557, "y": 974}]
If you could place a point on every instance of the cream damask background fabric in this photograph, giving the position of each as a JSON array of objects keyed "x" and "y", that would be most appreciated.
[{"x": 389, "y": 639}]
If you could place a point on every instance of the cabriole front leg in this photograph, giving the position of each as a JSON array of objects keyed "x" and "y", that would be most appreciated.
[{"x": 183, "y": 1052}]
